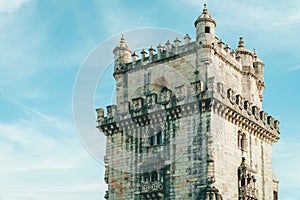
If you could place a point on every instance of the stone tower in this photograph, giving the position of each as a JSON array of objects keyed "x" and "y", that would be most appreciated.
[{"x": 189, "y": 123}]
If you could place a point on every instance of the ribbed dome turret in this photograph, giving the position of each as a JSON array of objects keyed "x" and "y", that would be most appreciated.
[
  {"x": 256, "y": 58},
  {"x": 210, "y": 193},
  {"x": 122, "y": 53},
  {"x": 122, "y": 45},
  {"x": 241, "y": 48},
  {"x": 205, "y": 17}
]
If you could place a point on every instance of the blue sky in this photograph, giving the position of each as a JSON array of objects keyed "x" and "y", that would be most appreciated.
[{"x": 43, "y": 43}]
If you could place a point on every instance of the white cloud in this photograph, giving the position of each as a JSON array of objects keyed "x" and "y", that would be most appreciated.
[
  {"x": 36, "y": 164},
  {"x": 11, "y": 5},
  {"x": 42, "y": 158}
]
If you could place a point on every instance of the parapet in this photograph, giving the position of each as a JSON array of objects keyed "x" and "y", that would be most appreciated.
[
  {"x": 243, "y": 110},
  {"x": 241, "y": 59}
]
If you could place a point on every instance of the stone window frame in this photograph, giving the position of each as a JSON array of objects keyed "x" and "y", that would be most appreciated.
[
  {"x": 155, "y": 137},
  {"x": 153, "y": 176},
  {"x": 206, "y": 29}
]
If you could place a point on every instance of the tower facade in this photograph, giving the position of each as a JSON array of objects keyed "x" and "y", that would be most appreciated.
[{"x": 188, "y": 122}]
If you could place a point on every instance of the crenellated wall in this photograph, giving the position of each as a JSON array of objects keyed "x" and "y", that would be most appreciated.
[{"x": 189, "y": 122}]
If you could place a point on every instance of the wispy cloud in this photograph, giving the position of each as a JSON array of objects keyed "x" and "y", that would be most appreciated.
[
  {"x": 267, "y": 15},
  {"x": 53, "y": 121},
  {"x": 39, "y": 165},
  {"x": 11, "y": 5},
  {"x": 42, "y": 158}
]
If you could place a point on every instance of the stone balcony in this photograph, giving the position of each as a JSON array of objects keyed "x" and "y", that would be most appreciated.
[{"x": 152, "y": 189}]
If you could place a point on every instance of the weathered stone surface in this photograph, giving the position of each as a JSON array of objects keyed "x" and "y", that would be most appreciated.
[{"x": 188, "y": 123}]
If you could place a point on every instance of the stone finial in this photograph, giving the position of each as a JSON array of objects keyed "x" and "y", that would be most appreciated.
[
  {"x": 151, "y": 51},
  {"x": 122, "y": 43},
  {"x": 177, "y": 42},
  {"x": 205, "y": 11},
  {"x": 221, "y": 43},
  {"x": 233, "y": 53},
  {"x": 241, "y": 42},
  {"x": 227, "y": 48},
  {"x": 160, "y": 48},
  {"x": 122, "y": 38},
  {"x": 134, "y": 56},
  {"x": 144, "y": 53},
  {"x": 169, "y": 45},
  {"x": 254, "y": 53},
  {"x": 187, "y": 39}
]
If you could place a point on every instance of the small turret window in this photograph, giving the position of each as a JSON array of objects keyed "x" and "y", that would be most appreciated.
[{"x": 207, "y": 29}]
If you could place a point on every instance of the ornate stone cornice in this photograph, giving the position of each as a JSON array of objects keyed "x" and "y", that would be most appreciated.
[
  {"x": 256, "y": 123},
  {"x": 127, "y": 121}
]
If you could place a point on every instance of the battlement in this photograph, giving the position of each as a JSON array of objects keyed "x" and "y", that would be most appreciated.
[
  {"x": 240, "y": 59},
  {"x": 142, "y": 110},
  {"x": 186, "y": 115}
]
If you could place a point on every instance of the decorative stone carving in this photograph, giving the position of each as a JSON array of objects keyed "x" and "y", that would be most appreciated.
[
  {"x": 124, "y": 108},
  {"x": 100, "y": 115},
  {"x": 270, "y": 121},
  {"x": 210, "y": 193},
  {"x": 230, "y": 96},
  {"x": 198, "y": 87},
  {"x": 151, "y": 100},
  {"x": 263, "y": 116},
  {"x": 111, "y": 111},
  {"x": 165, "y": 96},
  {"x": 220, "y": 89},
  {"x": 247, "y": 107},
  {"x": 137, "y": 104},
  {"x": 247, "y": 188},
  {"x": 239, "y": 101},
  {"x": 180, "y": 92},
  {"x": 255, "y": 112},
  {"x": 148, "y": 187}
]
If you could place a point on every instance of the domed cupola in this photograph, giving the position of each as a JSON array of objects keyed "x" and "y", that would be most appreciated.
[
  {"x": 241, "y": 48},
  {"x": 210, "y": 193},
  {"x": 122, "y": 53},
  {"x": 245, "y": 54},
  {"x": 205, "y": 26}
]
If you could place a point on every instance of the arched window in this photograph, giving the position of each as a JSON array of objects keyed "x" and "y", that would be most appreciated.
[
  {"x": 152, "y": 140},
  {"x": 155, "y": 137},
  {"x": 159, "y": 138},
  {"x": 154, "y": 176}
]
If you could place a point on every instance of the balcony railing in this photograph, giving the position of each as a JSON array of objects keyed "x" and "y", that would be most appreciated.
[{"x": 149, "y": 187}]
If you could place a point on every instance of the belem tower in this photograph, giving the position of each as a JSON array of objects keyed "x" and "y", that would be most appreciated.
[{"x": 188, "y": 122}]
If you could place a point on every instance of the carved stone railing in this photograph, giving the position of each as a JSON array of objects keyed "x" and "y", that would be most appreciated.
[
  {"x": 149, "y": 187},
  {"x": 248, "y": 192}
]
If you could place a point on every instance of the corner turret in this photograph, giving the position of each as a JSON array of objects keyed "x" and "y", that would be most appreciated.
[
  {"x": 258, "y": 66},
  {"x": 122, "y": 54},
  {"x": 245, "y": 54},
  {"x": 205, "y": 27}
]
